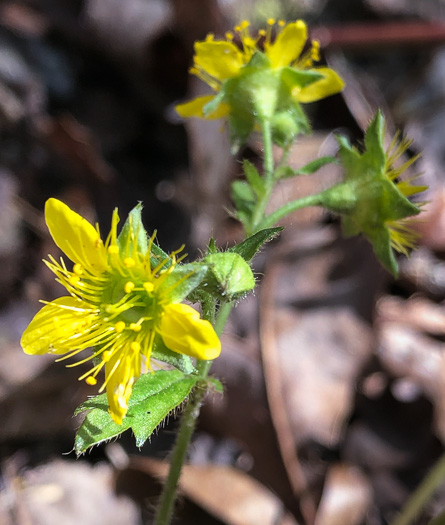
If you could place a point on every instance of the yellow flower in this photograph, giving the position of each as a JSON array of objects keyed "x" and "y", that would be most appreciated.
[
  {"x": 120, "y": 301},
  {"x": 373, "y": 199},
  {"x": 290, "y": 72}
]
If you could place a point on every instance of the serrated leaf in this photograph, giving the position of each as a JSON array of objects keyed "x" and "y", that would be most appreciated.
[
  {"x": 154, "y": 396},
  {"x": 250, "y": 246},
  {"x": 286, "y": 172},
  {"x": 253, "y": 178},
  {"x": 180, "y": 361}
]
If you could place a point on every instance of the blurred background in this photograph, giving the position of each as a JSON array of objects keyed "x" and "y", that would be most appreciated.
[{"x": 334, "y": 372}]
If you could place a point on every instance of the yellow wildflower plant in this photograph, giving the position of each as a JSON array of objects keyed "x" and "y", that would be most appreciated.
[
  {"x": 256, "y": 78},
  {"x": 123, "y": 298}
]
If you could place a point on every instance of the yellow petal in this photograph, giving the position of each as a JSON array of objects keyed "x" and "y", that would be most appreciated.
[
  {"x": 75, "y": 236},
  {"x": 183, "y": 331},
  {"x": 219, "y": 59},
  {"x": 195, "y": 106},
  {"x": 329, "y": 85},
  {"x": 288, "y": 45},
  {"x": 121, "y": 366},
  {"x": 55, "y": 324}
]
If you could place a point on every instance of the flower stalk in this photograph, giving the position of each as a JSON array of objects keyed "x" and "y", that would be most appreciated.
[{"x": 188, "y": 423}]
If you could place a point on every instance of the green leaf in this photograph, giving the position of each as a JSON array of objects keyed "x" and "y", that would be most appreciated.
[
  {"x": 154, "y": 396},
  {"x": 244, "y": 199},
  {"x": 180, "y": 361},
  {"x": 253, "y": 178},
  {"x": 286, "y": 172},
  {"x": 183, "y": 280},
  {"x": 250, "y": 246},
  {"x": 133, "y": 229}
]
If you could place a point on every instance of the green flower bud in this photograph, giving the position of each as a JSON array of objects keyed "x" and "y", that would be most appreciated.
[{"x": 229, "y": 275}]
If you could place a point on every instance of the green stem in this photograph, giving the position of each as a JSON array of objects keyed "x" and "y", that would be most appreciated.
[
  {"x": 273, "y": 218},
  {"x": 269, "y": 180},
  {"x": 188, "y": 422},
  {"x": 423, "y": 494}
]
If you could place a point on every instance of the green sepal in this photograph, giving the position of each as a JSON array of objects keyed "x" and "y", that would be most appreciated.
[
  {"x": 285, "y": 172},
  {"x": 250, "y": 246},
  {"x": 375, "y": 154},
  {"x": 212, "y": 106},
  {"x": 229, "y": 276},
  {"x": 132, "y": 230},
  {"x": 381, "y": 244},
  {"x": 215, "y": 384},
  {"x": 183, "y": 280},
  {"x": 258, "y": 61},
  {"x": 158, "y": 256},
  {"x": 253, "y": 178},
  {"x": 180, "y": 361},
  {"x": 211, "y": 247},
  {"x": 154, "y": 396},
  {"x": 298, "y": 77},
  {"x": 252, "y": 96}
]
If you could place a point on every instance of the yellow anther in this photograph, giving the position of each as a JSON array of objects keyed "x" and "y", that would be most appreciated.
[
  {"x": 315, "y": 50},
  {"x": 129, "y": 262},
  {"x": 262, "y": 32},
  {"x": 149, "y": 287},
  {"x": 119, "y": 327},
  {"x": 77, "y": 269},
  {"x": 135, "y": 346},
  {"x": 210, "y": 37},
  {"x": 229, "y": 35},
  {"x": 271, "y": 21},
  {"x": 106, "y": 356},
  {"x": 129, "y": 287},
  {"x": 244, "y": 24},
  {"x": 281, "y": 23},
  {"x": 73, "y": 280},
  {"x": 91, "y": 380},
  {"x": 113, "y": 249},
  {"x": 135, "y": 327},
  {"x": 237, "y": 29}
]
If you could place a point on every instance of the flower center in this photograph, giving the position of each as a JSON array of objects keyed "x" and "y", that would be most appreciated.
[{"x": 130, "y": 304}]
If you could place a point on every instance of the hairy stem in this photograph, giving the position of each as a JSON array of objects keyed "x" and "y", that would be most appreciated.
[
  {"x": 188, "y": 422},
  {"x": 273, "y": 218},
  {"x": 269, "y": 180}
]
